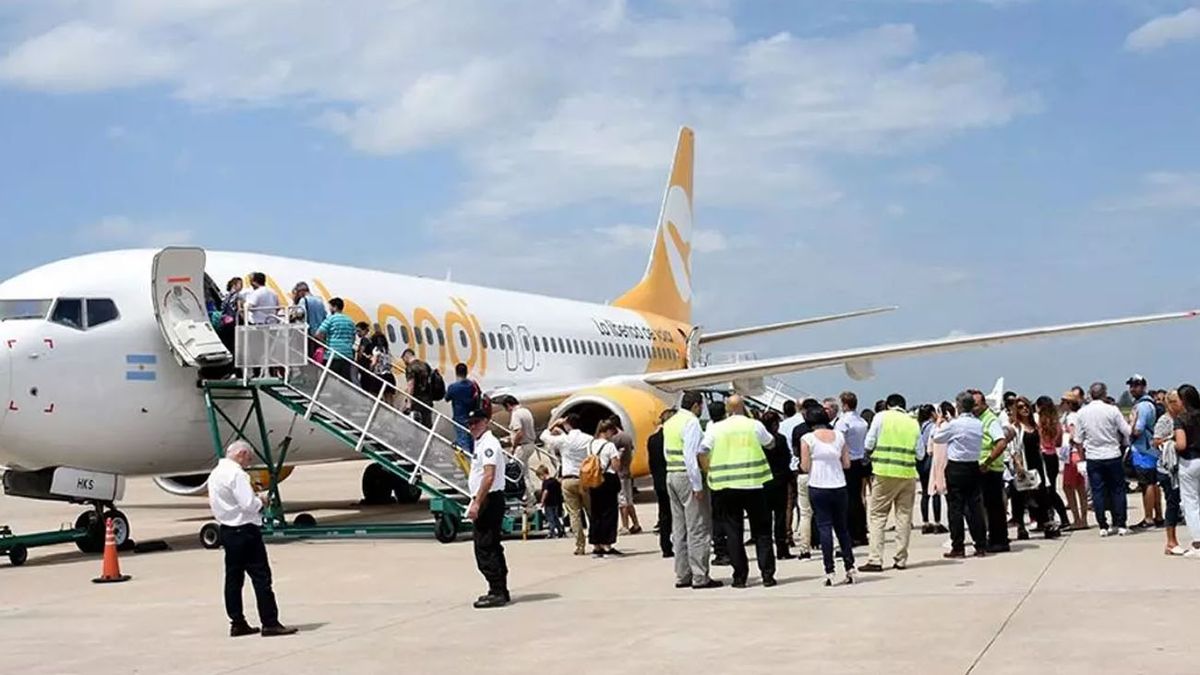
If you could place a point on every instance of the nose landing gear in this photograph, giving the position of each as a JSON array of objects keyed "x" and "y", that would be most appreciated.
[{"x": 93, "y": 522}]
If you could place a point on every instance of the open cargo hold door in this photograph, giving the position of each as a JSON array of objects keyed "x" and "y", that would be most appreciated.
[{"x": 178, "y": 290}]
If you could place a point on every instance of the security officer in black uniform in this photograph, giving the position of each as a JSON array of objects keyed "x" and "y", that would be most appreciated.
[{"x": 486, "y": 484}]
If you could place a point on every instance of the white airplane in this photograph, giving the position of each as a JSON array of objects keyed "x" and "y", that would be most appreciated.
[{"x": 95, "y": 384}]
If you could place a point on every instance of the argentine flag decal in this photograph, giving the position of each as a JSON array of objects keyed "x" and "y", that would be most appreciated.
[{"x": 141, "y": 367}]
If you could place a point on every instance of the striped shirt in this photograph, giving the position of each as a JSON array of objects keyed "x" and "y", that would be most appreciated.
[{"x": 339, "y": 334}]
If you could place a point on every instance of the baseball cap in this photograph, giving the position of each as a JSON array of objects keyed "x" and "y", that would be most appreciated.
[
  {"x": 476, "y": 416},
  {"x": 1136, "y": 379}
]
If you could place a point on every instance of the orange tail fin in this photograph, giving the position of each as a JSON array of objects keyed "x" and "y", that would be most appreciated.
[{"x": 666, "y": 288}]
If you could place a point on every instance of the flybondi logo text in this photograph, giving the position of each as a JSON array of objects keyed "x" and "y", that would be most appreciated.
[{"x": 677, "y": 239}]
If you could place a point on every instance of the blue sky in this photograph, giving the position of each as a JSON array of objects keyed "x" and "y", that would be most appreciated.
[{"x": 984, "y": 164}]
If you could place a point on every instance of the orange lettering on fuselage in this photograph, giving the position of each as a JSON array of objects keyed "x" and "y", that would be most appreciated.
[{"x": 460, "y": 328}]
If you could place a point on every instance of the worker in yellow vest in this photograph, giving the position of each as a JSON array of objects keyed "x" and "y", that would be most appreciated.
[
  {"x": 691, "y": 508},
  {"x": 738, "y": 472},
  {"x": 991, "y": 464},
  {"x": 892, "y": 443}
]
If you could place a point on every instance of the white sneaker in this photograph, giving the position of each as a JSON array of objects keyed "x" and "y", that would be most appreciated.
[
  {"x": 829, "y": 580},
  {"x": 1122, "y": 531},
  {"x": 1193, "y": 553},
  {"x": 1105, "y": 532},
  {"x": 852, "y": 575}
]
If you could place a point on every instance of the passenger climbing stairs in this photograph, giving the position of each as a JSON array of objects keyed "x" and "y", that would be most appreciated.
[{"x": 276, "y": 368}]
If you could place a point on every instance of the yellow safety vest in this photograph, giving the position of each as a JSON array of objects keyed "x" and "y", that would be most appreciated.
[
  {"x": 989, "y": 443},
  {"x": 673, "y": 440},
  {"x": 736, "y": 460},
  {"x": 895, "y": 454}
]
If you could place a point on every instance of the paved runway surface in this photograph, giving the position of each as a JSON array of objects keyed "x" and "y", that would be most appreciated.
[{"x": 1080, "y": 604}]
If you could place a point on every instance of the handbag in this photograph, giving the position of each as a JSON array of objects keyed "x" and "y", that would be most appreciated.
[{"x": 1028, "y": 480}]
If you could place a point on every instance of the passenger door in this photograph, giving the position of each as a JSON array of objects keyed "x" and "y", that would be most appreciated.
[
  {"x": 524, "y": 342},
  {"x": 177, "y": 290},
  {"x": 512, "y": 359}
]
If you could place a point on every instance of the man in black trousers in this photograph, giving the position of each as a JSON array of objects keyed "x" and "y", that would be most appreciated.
[
  {"x": 658, "y": 472},
  {"x": 238, "y": 511}
]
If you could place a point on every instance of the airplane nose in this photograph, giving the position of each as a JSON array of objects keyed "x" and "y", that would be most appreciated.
[{"x": 5, "y": 381}]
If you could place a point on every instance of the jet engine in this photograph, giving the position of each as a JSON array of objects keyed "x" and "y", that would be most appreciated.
[
  {"x": 638, "y": 410},
  {"x": 196, "y": 484}
]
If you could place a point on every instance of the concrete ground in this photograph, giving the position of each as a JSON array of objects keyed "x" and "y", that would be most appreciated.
[{"x": 1079, "y": 604}]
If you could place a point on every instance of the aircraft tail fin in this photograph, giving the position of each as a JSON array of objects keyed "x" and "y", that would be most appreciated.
[{"x": 666, "y": 288}]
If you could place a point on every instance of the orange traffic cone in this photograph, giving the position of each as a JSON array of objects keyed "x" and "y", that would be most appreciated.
[{"x": 110, "y": 573}]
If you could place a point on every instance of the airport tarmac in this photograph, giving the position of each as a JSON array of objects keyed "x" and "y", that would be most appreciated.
[{"x": 1080, "y": 604}]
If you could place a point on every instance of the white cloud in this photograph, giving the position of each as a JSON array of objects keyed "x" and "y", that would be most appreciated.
[
  {"x": 1161, "y": 190},
  {"x": 1164, "y": 30},
  {"x": 75, "y": 56},
  {"x": 628, "y": 236},
  {"x": 546, "y": 104},
  {"x": 124, "y": 231}
]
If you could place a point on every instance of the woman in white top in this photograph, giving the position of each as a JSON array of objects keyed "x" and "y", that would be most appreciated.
[
  {"x": 825, "y": 457},
  {"x": 602, "y": 528}
]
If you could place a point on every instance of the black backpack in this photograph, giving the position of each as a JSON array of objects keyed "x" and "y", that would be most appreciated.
[{"x": 437, "y": 385}]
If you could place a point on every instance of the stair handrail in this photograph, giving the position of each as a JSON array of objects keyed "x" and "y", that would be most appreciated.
[{"x": 410, "y": 399}]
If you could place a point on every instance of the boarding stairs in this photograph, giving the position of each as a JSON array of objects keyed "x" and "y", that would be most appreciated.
[{"x": 275, "y": 363}]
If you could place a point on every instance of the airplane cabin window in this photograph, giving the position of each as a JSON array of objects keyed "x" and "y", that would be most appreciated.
[
  {"x": 483, "y": 338},
  {"x": 462, "y": 338},
  {"x": 509, "y": 340},
  {"x": 562, "y": 346},
  {"x": 428, "y": 335},
  {"x": 68, "y": 312},
  {"x": 441, "y": 337},
  {"x": 417, "y": 335},
  {"x": 101, "y": 311},
  {"x": 16, "y": 310},
  {"x": 404, "y": 334},
  {"x": 391, "y": 333},
  {"x": 492, "y": 340},
  {"x": 525, "y": 341},
  {"x": 553, "y": 346}
]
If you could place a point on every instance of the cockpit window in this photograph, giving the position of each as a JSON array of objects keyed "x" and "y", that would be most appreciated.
[
  {"x": 68, "y": 312},
  {"x": 100, "y": 311},
  {"x": 15, "y": 310}
]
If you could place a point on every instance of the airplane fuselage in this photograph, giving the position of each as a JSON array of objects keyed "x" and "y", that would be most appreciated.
[{"x": 113, "y": 398}]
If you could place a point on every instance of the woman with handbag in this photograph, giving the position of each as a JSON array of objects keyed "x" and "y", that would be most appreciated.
[
  {"x": 602, "y": 533},
  {"x": 1029, "y": 473}
]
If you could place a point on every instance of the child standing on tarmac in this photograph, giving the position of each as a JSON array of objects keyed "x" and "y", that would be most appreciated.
[{"x": 552, "y": 503}]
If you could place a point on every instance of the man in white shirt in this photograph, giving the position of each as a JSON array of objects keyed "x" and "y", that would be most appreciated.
[
  {"x": 486, "y": 484},
  {"x": 571, "y": 445},
  {"x": 854, "y": 428},
  {"x": 798, "y": 487},
  {"x": 261, "y": 301},
  {"x": 238, "y": 511},
  {"x": 1104, "y": 432}
]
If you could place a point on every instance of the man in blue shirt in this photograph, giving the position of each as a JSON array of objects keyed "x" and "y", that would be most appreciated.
[
  {"x": 963, "y": 438},
  {"x": 464, "y": 397},
  {"x": 1145, "y": 455},
  {"x": 337, "y": 331}
]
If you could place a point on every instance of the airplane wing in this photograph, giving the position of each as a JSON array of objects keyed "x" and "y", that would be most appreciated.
[
  {"x": 709, "y": 338},
  {"x": 678, "y": 380}
]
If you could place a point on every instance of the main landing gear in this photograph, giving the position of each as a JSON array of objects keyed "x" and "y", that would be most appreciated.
[{"x": 380, "y": 486}]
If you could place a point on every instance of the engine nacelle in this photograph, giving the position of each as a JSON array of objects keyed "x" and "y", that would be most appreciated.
[
  {"x": 638, "y": 410},
  {"x": 196, "y": 484}
]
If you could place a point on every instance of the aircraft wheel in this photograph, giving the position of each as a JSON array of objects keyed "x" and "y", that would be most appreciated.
[
  {"x": 406, "y": 492},
  {"x": 120, "y": 527},
  {"x": 94, "y": 541},
  {"x": 445, "y": 528},
  {"x": 210, "y": 536},
  {"x": 17, "y": 555},
  {"x": 376, "y": 485},
  {"x": 304, "y": 520}
]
